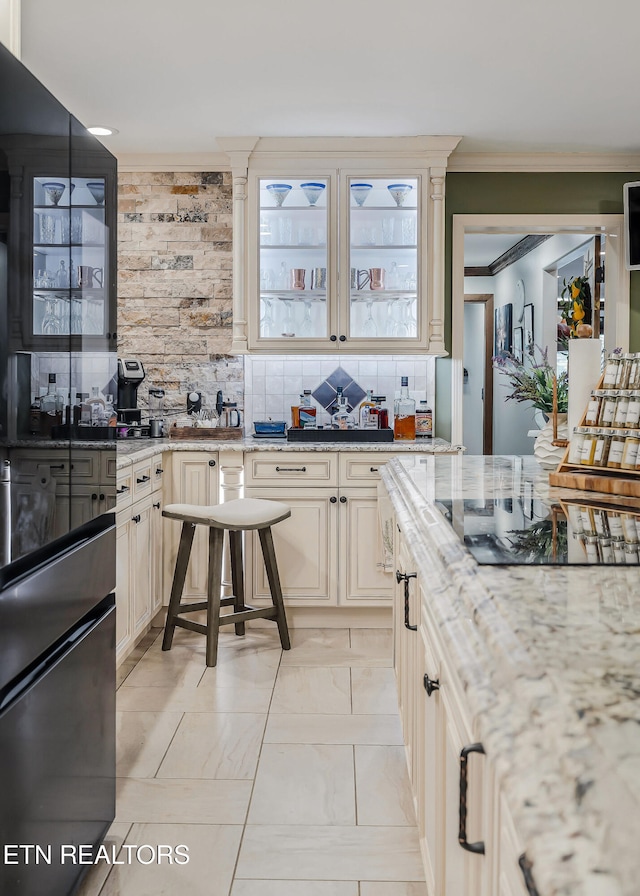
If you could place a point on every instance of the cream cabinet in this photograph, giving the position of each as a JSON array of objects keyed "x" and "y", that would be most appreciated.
[
  {"x": 327, "y": 550},
  {"x": 139, "y": 579},
  {"x": 338, "y": 244}
]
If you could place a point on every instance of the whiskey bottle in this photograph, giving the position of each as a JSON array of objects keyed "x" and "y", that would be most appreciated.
[{"x": 404, "y": 414}]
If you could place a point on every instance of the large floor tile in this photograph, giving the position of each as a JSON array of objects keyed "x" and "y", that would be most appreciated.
[
  {"x": 328, "y": 852},
  {"x": 200, "y": 699},
  {"x": 319, "y": 637},
  {"x": 387, "y": 888},
  {"x": 312, "y": 690},
  {"x": 142, "y": 739},
  {"x": 294, "y": 888},
  {"x": 333, "y": 729},
  {"x": 212, "y": 855},
  {"x": 215, "y": 745},
  {"x": 181, "y": 666},
  {"x": 182, "y": 801},
  {"x": 388, "y": 801},
  {"x": 376, "y": 640},
  {"x": 318, "y": 655},
  {"x": 304, "y": 784},
  {"x": 244, "y": 666},
  {"x": 373, "y": 691},
  {"x": 97, "y": 874}
]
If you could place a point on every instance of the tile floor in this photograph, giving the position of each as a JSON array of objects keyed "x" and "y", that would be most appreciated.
[{"x": 283, "y": 772}]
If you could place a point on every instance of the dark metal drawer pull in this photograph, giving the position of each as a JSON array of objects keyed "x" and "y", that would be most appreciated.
[
  {"x": 291, "y": 469},
  {"x": 136, "y": 518},
  {"x": 157, "y": 506},
  {"x": 122, "y": 489},
  {"x": 404, "y": 577},
  {"x": 462, "y": 830},
  {"x": 160, "y": 470},
  {"x": 144, "y": 479},
  {"x": 431, "y": 684},
  {"x": 373, "y": 469},
  {"x": 525, "y": 867},
  {"x": 56, "y": 466}
]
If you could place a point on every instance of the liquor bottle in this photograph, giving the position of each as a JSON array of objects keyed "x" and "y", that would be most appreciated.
[
  {"x": 404, "y": 414},
  {"x": 34, "y": 416},
  {"x": 97, "y": 407},
  {"x": 50, "y": 408},
  {"x": 424, "y": 420},
  {"x": 307, "y": 411},
  {"x": 382, "y": 414},
  {"x": 342, "y": 419},
  {"x": 366, "y": 421}
]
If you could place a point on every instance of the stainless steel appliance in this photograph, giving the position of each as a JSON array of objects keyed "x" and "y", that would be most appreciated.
[
  {"x": 130, "y": 375},
  {"x": 57, "y": 550}
]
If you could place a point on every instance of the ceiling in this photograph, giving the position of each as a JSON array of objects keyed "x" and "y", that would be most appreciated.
[{"x": 173, "y": 76}]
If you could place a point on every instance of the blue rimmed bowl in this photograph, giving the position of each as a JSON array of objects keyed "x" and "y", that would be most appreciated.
[
  {"x": 312, "y": 191},
  {"x": 360, "y": 193},
  {"x": 399, "y": 192},
  {"x": 279, "y": 192}
]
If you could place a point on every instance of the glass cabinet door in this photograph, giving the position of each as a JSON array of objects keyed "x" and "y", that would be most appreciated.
[
  {"x": 69, "y": 257},
  {"x": 293, "y": 258},
  {"x": 384, "y": 229}
]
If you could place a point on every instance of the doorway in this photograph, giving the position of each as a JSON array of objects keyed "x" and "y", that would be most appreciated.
[{"x": 477, "y": 386}]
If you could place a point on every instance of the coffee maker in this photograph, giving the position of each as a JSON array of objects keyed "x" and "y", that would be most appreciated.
[{"x": 130, "y": 375}]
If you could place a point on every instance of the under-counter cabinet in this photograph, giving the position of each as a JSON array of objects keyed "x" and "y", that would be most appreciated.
[
  {"x": 327, "y": 550},
  {"x": 340, "y": 244}
]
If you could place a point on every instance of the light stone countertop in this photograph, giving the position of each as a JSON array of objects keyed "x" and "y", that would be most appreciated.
[
  {"x": 548, "y": 658},
  {"x": 134, "y": 450}
]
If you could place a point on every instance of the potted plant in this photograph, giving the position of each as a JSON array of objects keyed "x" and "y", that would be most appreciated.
[{"x": 576, "y": 307}]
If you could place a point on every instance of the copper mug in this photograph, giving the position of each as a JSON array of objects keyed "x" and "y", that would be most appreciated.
[
  {"x": 297, "y": 278},
  {"x": 376, "y": 278},
  {"x": 87, "y": 275}
]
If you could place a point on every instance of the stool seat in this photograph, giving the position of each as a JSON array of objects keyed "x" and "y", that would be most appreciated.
[{"x": 243, "y": 513}]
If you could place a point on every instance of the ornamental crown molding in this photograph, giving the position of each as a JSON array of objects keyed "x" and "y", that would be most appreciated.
[
  {"x": 471, "y": 162},
  {"x": 183, "y": 161}
]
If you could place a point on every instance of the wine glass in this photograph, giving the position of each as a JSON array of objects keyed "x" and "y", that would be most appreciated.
[
  {"x": 76, "y": 316},
  {"x": 267, "y": 328},
  {"x": 96, "y": 188},
  {"x": 51, "y": 323},
  {"x": 369, "y": 328},
  {"x": 306, "y": 327},
  {"x": 288, "y": 326}
]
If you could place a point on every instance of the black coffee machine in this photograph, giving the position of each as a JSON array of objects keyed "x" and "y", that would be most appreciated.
[{"x": 130, "y": 375}]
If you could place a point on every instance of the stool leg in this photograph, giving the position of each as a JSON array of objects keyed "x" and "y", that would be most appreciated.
[
  {"x": 237, "y": 576},
  {"x": 214, "y": 583},
  {"x": 269, "y": 554},
  {"x": 180, "y": 574}
]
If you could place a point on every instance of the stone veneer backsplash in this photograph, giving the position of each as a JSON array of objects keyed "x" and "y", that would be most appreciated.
[
  {"x": 273, "y": 383},
  {"x": 174, "y": 283}
]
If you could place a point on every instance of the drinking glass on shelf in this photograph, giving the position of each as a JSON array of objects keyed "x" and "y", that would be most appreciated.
[
  {"x": 47, "y": 228},
  {"x": 369, "y": 328},
  {"x": 285, "y": 231},
  {"x": 267, "y": 326},
  {"x": 388, "y": 231},
  {"x": 65, "y": 228},
  {"x": 51, "y": 322},
  {"x": 76, "y": 315},
  {"x": 76, "y": 227},
  {"x": 266, "y": 278},
  {"x": 408, "y": 230},
  {"x": 288, "y": 326}
]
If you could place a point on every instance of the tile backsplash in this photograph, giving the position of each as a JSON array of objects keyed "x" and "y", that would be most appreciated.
[
  {"x": 274, "y": 383},
  {"x": 76, "y": 373}
]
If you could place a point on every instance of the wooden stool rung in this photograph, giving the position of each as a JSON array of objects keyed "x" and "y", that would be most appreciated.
[
  {"x": 192, "y": 626},
  {"x": 249, "y": 613}
]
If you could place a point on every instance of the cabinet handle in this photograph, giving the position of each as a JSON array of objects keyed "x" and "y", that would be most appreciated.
[
  {"x": 333, "y": 499},
  {"x": 144, "y": 479},
  {"x": 159, "y": 470},
  {"x": 212, "y": 463},
  {"x": 343, "y": 500},
  {"x": 122, "y": 490},
  {"x": 157, "y": 506},
  {"x": 114, "y": 336},
  {"x": 343, "y": 339},
  {"x": 94, "y": 497},
  {"x": 291, "y": 469},
  {"x": 56, "y": 466},
  {"x": 101, "y": 497},
  {"x": 431, "y": 684},
  {"x": 136, "y": 518},
  {"x": 404, "y": 577},
  {"x": 373, "y": 469},
  {"x": 525, "y": 867},
  {"x": 333, "y": 338},
  {"x": 462, "y": 830}
]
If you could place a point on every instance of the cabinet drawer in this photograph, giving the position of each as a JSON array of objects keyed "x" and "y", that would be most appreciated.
[
  {"x": 108, "y": 461},
  {"x": 142, "y": 480},
  {"x": 85, "y": 464},
  {"x": 123, "y": 488},
  {"x": 357, "y": 467},
  {"x": 273, "y": 468}
]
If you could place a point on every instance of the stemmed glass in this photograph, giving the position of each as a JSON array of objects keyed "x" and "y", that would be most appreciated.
[
  {"x": 369, "y": 327},
  {"x": 267, "y": 328},
  {"x": 288, "y": 326},
  {"x": 51, "y": 323},
  {"x": 306, "y": 327}
]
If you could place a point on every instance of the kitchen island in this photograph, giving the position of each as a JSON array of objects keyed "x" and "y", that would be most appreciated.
[{"x": 545, "y": 659}]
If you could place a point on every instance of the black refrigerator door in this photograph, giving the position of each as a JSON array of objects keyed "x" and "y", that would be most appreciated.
[{"x": 57, "y": 756}]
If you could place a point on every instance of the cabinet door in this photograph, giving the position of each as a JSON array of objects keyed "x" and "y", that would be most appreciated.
[
  {"x": 430, "y": 779},
  {"x": 406, "y": 648},
  {"x": 362, "y": 579},
  {"x": 124, "y": 633},
  {"x": 292, "y": 288},
  {"x": 141, "y": 570},
  {"x": 510, "y": 876},
  {"x": 382, "y": 285},
  {"x": 305, "y": 545},
  {"x": 194, "y": 480}
]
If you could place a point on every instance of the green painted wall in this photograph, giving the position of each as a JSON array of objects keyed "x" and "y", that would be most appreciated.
[{"x": 508, "y": 194}]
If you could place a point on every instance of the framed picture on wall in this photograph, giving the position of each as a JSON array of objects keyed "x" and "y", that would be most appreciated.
[
  {"x": 502, "y": 338},
  {"x": 529, "y": 333},
  {"x": 518, "y": 343}
]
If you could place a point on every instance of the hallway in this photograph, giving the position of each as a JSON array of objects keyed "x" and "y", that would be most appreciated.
[{"x": 282, "y": 772}]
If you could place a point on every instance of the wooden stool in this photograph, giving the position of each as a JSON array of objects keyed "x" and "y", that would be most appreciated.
[{"x": 236, "y": 517}]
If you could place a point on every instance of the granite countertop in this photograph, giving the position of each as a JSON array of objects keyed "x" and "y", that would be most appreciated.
[
  {"x": 548, "y": 658},
  {"x": 134, "y": 450}
]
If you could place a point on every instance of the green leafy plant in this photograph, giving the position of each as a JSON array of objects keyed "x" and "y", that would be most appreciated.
[
  {"x": 537, "y": 542},
  {"x": 577, "y": 301},
  {"x": 532, "y": 379}
]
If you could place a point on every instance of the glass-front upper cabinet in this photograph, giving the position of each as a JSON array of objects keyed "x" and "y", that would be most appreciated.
[
  {"x": 69, "y": 257},
  {"x": 294, "y": 270},
  {"x": 383, "y": 264}
]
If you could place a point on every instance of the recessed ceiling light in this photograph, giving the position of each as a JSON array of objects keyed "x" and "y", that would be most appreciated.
[{"x": 102, "y": 131}]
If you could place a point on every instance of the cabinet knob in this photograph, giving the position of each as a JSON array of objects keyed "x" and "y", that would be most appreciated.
[
  {"x": 157, "y": 506},
  {"x": 343, "y": 339},
  {"x": 114, "y": 336},
  {"x": 94, "y": 497},
  {"x": 101, "y": 497},
  {"x": 343, "y": 500},
  {"x": 431, "y": 685},
  {"x": 136, "y": 518},
  {"x": 333, "y": 499},
  {"x": 212, "y": 463},
  {"x": 333, "y": 338}
]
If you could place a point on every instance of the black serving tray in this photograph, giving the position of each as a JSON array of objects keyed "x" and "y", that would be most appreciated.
[{"x": 339, "y": 435}]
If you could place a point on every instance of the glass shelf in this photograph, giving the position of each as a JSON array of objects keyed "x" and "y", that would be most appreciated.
[
  {"x": 294, "y": 247},
  {"x": 295, "y": 295}
]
